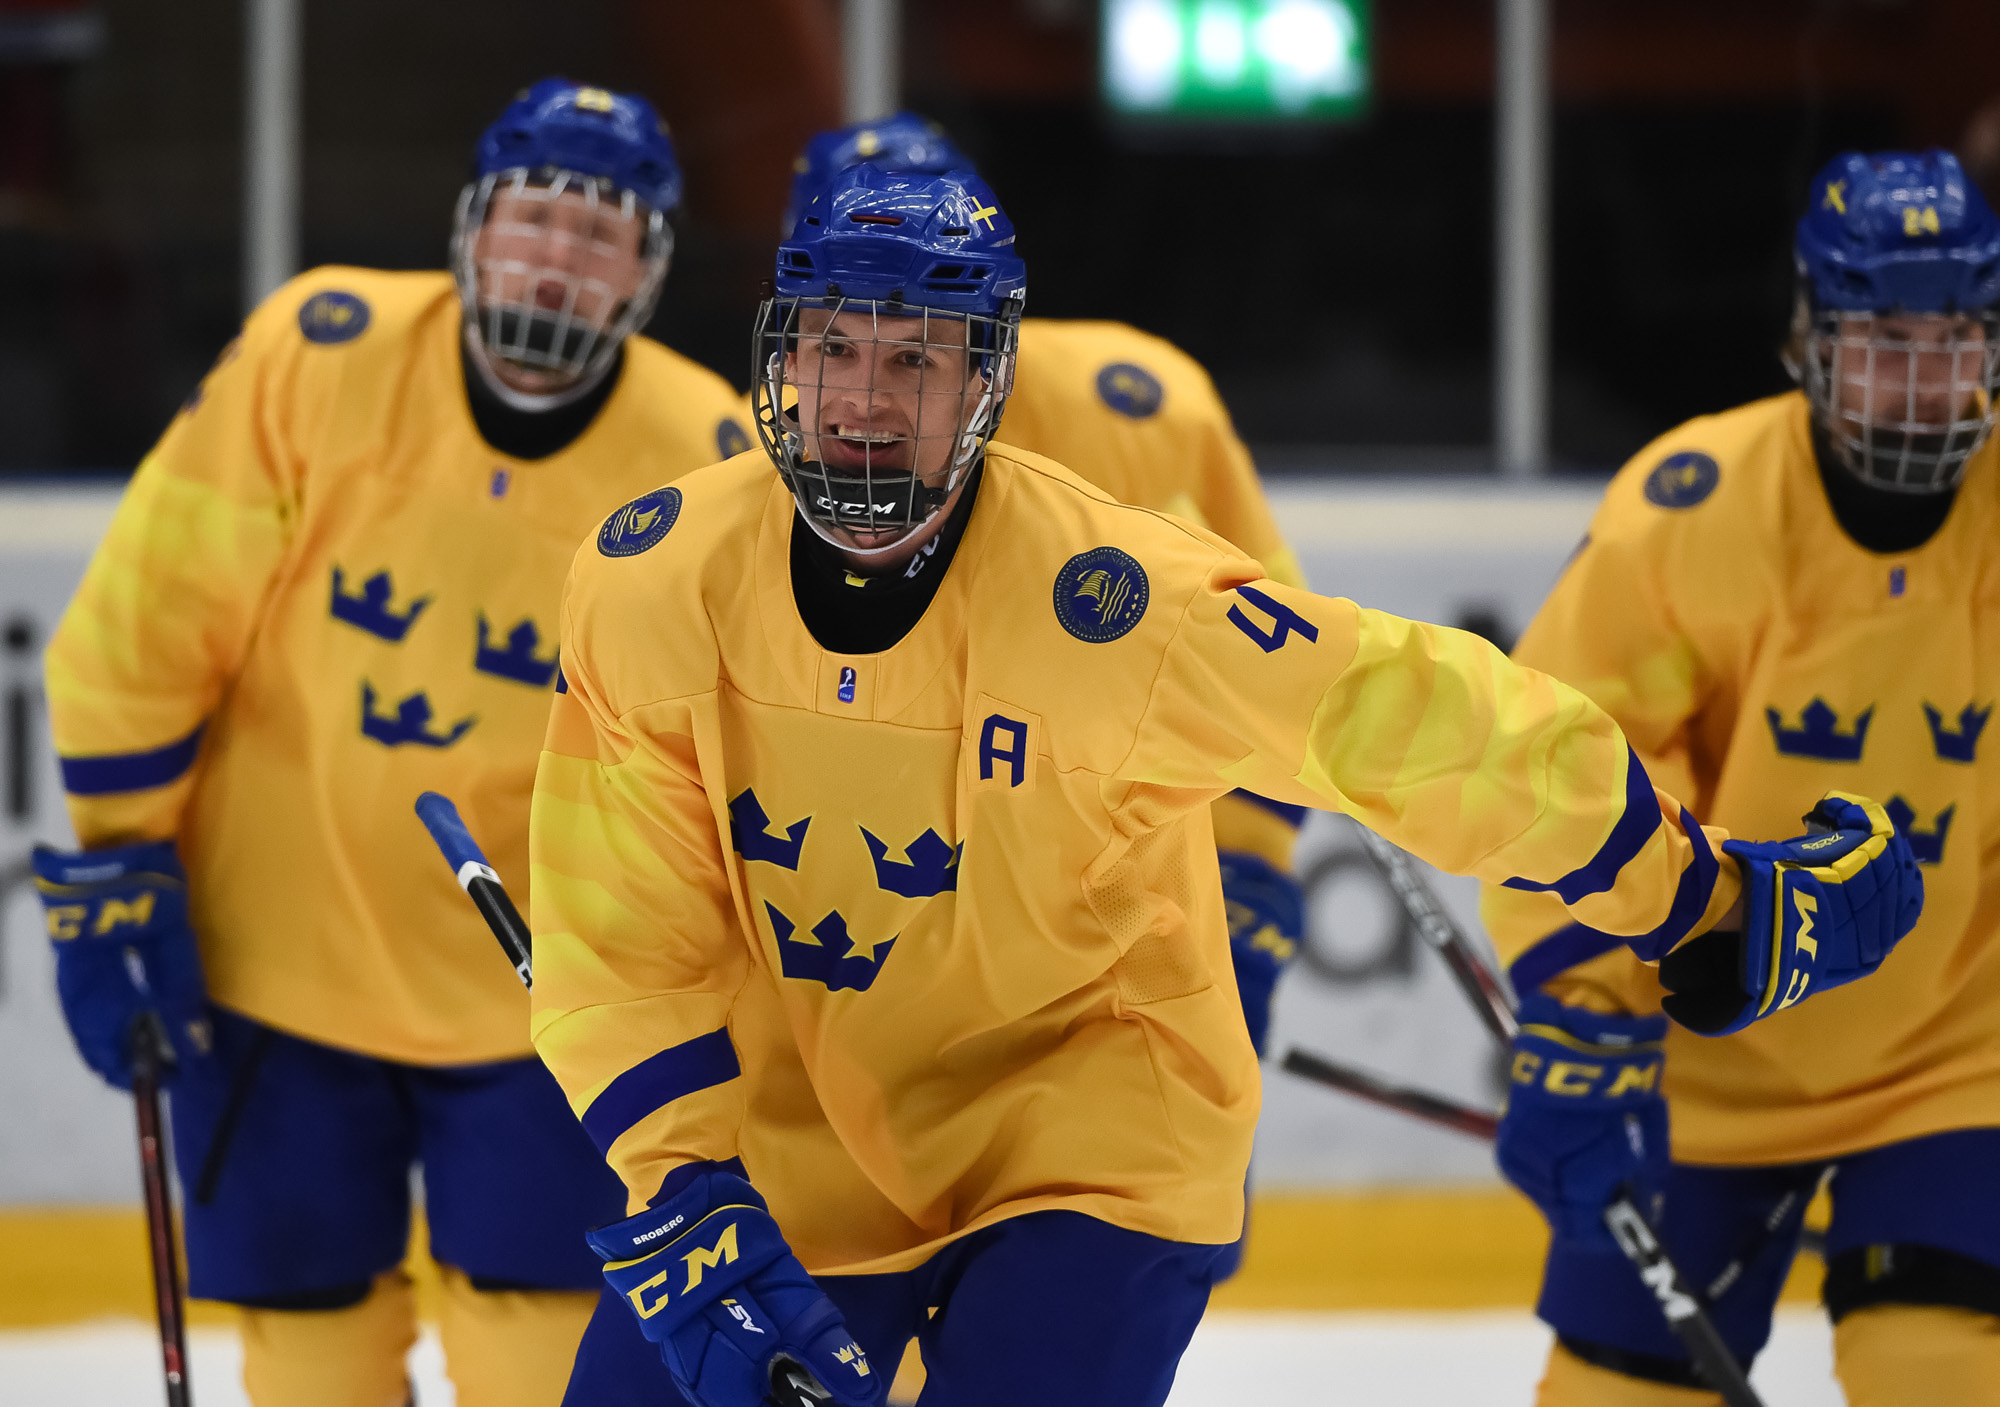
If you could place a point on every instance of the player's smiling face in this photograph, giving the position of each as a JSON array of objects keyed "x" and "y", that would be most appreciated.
[
  {"x": 883, "y": 395},
  {"x": 572, "y": 254}
]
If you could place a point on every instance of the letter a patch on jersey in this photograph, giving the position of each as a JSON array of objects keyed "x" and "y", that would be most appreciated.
[{"x": 1003, "y": 746}]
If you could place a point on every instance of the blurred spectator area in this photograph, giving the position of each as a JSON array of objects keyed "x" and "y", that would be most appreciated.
[{"x": 1338, "y": 282}]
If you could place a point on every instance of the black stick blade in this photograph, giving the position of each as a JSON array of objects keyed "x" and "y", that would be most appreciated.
[{"x": 1433, "y": 1108}]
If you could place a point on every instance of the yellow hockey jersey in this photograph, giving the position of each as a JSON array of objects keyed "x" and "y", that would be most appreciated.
[
  {"x": 1139, "y": 418},
  {"x": 934, "y": 937},
  {"x": 322, "y": 594},
  {"x": 1756, "y": 655}
]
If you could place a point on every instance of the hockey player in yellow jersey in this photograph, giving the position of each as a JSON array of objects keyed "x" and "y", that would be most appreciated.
[
  {"x": 332, "y": 585},
  {"x": 879, "y": 940},
  {"x": 1135, "y": 416},
  {"x": 1798, "y": 595}
]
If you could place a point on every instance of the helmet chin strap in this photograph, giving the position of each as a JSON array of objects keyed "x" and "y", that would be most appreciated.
[{"x": 530, "y": 402}]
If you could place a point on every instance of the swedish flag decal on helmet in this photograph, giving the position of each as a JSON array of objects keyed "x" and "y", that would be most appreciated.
[{"x": 640, "y": 524}]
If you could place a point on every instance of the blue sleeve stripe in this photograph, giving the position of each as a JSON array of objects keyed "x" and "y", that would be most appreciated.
[
  {"x": 1559, "y": 952},
  {"x": 658, "y": 1081},
  {"x": 130, "y": 771},
  {"x": 1567, "y": 947},
  {"x": 1635, "y": 827},
  {"x": 1293, "y": 816}
]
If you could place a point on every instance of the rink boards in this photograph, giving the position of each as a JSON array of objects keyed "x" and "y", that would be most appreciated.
[{"x": 1468, "y": 553}]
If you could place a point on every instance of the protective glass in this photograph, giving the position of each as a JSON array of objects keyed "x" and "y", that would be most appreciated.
[
  {"x": 555, "y": 269},
  {"x": 874, "y": 412},
  {"x": 1904, "y": 399}
]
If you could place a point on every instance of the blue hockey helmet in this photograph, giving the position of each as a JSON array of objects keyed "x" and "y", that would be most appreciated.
[
  {"x": 1896, "y": 332},
  {"x": 896, "y": 305},
  {"x": 549, "y": 297},
  {"x": 903, "y": 141},
  {"x": 563, "y": 126},
  {"x": 1899, "y": 231}
]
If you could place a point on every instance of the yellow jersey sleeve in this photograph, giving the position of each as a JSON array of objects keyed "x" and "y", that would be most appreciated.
[
  {"x": 167, "y": 608},
  {"x": 632, "y": 912},
  {"x": 1433, "y": 739},
  {"x": 1609, "y": 628}
]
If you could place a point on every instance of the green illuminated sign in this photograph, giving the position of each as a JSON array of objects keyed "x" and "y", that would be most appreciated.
[{"x": 1230, "y": 59}]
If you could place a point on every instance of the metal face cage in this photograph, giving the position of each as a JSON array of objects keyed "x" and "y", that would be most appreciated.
[
  {"x": 534, "y": 291},
  {"x": 1903, "y": 399},
  {"x": 874, "y": 411}
]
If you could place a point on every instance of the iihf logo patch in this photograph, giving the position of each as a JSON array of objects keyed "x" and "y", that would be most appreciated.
[
  {"x": 332, "y": 317},
  {"x": 1130, "y": 390},
  {"x": 1101, "y": 594},
  {"x": 1682, "y": 480},
  {"x": 640, "y": 524}
]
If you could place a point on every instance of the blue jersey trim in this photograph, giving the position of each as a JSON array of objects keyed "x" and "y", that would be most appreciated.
[
  {"x": 1293, "y": 816},
  {"x": 130, "y": 771},
  {"x": 1579, "y": 943},
  {"x": 658, "y": 1081},
  {"x": 1635, "y": 827},
  {"x": 1559, "y": 952}
]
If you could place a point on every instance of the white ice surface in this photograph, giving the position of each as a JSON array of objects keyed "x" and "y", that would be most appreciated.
[{"x": 1237, "y": 1360}]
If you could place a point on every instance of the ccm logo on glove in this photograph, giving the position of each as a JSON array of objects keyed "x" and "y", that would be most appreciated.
[
  {"x": 1575, "y": 1079},
  {"x": 723, "y": 1252}
]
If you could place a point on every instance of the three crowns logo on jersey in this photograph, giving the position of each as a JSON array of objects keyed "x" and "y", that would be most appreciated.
[{"x": 828, "y": 953}]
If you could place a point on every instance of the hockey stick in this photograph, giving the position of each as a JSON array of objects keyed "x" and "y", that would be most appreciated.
[
  {"x": 150, "y": 1050},
  {"x": 1494, "y": 1004},
  {"x": 792, "y": 1383},
  {"x": 1680, "y": 1306},
  {"x": 1491, "y": 998},
  {"x": 479, "y": 880},
  {"x": 1421, "y": 1104}
]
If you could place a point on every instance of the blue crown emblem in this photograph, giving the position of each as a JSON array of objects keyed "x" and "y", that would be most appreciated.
[
  {"x": 1130, "y": 390},
  {"x": 518, "y": 660},
  {"x": 409, "y": 724},
  {"x": 1819, "y": 734},
  {"x": 640, "y": 524},
  {"x": 1101, "y": 594},
  {"x": 827, "y": 956},
  {"x": 368, "y": 609},
  {"x": 1927, "y": 846},
  {"x": 932, "y": 870},
  {"x": 1959, "y": 744},
  {"x": 749, "y": 833},
  {"x": 1682, "y": 480}
]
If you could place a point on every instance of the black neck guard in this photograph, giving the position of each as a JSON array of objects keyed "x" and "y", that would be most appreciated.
[
  {"x": 851, "y": 614},
  {"x": 1878, "y": 519},
  {"x": 534, "y": 434}
]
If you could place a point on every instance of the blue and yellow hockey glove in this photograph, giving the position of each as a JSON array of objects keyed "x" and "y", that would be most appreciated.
[
  {"x": 1584, "y": 1115},
  {"x": 713, "y": 1283},
  {"x": 1818, "y": 912},
  {"x": 1267, "y": 922},
  {"x": 118, "y": 919}
]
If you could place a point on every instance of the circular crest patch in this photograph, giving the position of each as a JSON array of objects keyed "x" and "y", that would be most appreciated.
[
  {"x": 730, "y": 438},
  {"x": 332, "y": 316},
  {"x": 640, "y": 524},
  {"x": 1101, "y": 594},
  {"x": 1130, "y": 390},
  {"x": 1682, "y": 480}
]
